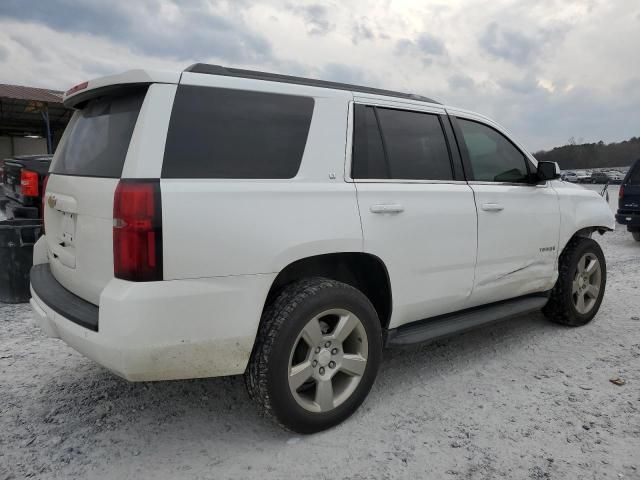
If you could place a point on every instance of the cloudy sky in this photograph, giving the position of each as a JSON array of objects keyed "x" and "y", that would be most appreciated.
[{"x": 547, "y": 69}]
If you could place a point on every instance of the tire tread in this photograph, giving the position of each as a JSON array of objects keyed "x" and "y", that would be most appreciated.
[
  {"x": 557, "y": 308},
  {"x": 274, "y": 317}
]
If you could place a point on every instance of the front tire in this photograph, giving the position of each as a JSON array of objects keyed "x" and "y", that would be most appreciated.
[
  {"x": 582, "y": 278},
  {"x": 636, "y": 236},
  {"x": 316, "y": 356}
]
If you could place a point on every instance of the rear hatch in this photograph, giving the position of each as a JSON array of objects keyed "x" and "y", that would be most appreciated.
[
  {"x": 630, "y": 191},
  {"x": 84, "y": 174}
]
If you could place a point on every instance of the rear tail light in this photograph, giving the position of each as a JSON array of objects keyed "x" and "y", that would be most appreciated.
[
  {"x": 621, "y": 192},
  {"x": 137, "y": 231},
  {"x": 28, "y": 183},
  {"x": 44, "y": 199}
]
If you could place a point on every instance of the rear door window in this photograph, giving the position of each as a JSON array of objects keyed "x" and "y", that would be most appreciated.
[
  {"x": 368, "y": 151},
  {"x": 97, "y": 138},
  {"x": 225, "y": 133},
  {"x": 399, "y": 145}
]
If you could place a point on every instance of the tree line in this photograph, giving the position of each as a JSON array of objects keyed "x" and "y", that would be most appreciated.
[{"x": 593, "y": 155}]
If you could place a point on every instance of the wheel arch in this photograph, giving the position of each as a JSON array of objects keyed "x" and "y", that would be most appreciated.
[
  {"x": 585, "y": 232},
  {"x": 363, "y": 271}
]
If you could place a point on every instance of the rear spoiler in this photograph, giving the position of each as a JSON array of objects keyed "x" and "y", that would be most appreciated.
[{"x": 92, "y": 88}]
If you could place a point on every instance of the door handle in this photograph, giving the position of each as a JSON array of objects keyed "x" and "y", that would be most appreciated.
[
  {"x": 492, "y": 207},
  {"x": 387, "y": 208}
]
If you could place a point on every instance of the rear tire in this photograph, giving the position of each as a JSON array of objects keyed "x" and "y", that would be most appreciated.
[
  {"x": 582, "y": 278},
  {"x": 636, "y": 236},
  {"x": 316, "y": 355}
]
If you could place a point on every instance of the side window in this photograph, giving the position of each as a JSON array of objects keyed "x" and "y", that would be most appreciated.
[
  {"x": 224, "y": 133},
  {"x": 399, "y": 145},
  {"x": 368, "y": 153},
  {"x": 634, "y": 176},
  {"x": 493, "y": 158}
]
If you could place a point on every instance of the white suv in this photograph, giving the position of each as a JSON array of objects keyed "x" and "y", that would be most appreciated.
[{"x": 220, "y": 221}]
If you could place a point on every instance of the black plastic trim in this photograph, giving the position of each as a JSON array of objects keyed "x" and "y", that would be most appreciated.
[
  {"x": 462, "y": 148},
  {"x": 276, "y": 77},
  {"x": 61, "y": 300},
  {"x": 454, "y": 150},
  {"x": 385, "y": 151},
  {"x": 458, "y": 322}
]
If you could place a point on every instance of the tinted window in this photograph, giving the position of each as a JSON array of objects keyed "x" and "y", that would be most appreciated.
[
  {"x": 223, "y": 133},
  {"x": 634, "y": 174},
  {"x": 493, "y": 157},
  {"x": 415, "y": 145},
  {"x": 96, "y": 141},
  {"x": 368, "y": 153}
]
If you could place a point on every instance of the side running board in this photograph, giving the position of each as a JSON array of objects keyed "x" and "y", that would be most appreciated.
[{"x": 450, "y": 324}]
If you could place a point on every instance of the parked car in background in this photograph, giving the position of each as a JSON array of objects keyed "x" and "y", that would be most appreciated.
[
  {"x": 570, "y": 177},
  {"x": 629, "y": 201},
  {"x": 583, "y": 176},
  {"x": 228, "y": 225},
  {"x": 599, "y": 177},
  {"x": 615, "y": 176},
  {"x": 23, "y": 184}
]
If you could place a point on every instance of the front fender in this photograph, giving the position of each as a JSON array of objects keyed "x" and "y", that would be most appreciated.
[{"x": 581, "y": 209}]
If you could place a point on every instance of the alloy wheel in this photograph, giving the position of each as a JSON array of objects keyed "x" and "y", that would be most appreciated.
[
  {"x": 327, "y": 360},
  {"x": 586, "y": 284}
]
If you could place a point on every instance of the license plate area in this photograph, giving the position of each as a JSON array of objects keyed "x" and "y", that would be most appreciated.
[
  {"x": 68, "y": 228},
  {"x": 63, "y": 249}
]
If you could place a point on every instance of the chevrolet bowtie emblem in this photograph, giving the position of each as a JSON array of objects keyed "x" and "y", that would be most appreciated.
[{"x": 52, "y": 201}]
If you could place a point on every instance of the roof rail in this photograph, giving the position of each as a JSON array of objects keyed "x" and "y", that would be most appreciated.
[{"x": 275, "y": 77}]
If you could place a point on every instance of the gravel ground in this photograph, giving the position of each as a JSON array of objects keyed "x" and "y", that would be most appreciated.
[{"x": 524, "y": 399}]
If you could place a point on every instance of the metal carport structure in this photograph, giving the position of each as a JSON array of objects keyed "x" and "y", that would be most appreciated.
[{"x": 28, "y": 112}]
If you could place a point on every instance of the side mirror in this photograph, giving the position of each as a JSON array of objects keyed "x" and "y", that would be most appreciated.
[{"x": 548, "y": 171}]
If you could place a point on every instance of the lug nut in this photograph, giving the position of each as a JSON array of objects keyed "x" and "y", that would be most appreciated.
[
  {"x": 334, "y": 351},
  {"x": 321, "y": 370},
  {"x": 327, "y": 345},
  {"x": 332, "y": 364},
  {"x": 317, "y": 349},
  {"x": 314, "y": 363}
]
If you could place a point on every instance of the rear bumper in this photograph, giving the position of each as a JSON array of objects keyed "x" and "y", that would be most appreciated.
[
  {"x": 629, "y": 219},
  {"x": 61, "y": 300},
  {"x": 166, "y": 330}
]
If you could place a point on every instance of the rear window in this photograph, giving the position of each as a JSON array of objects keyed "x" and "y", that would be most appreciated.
[
  {"x": 225, "y": 133},
  {"x": 634, "y": 174},
  {"x": 96, "y": 141}
]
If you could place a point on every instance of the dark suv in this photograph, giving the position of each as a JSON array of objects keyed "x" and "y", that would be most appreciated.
[
  {"x": 23, "y": 177},
  {"x": 629, "y": 201}
]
